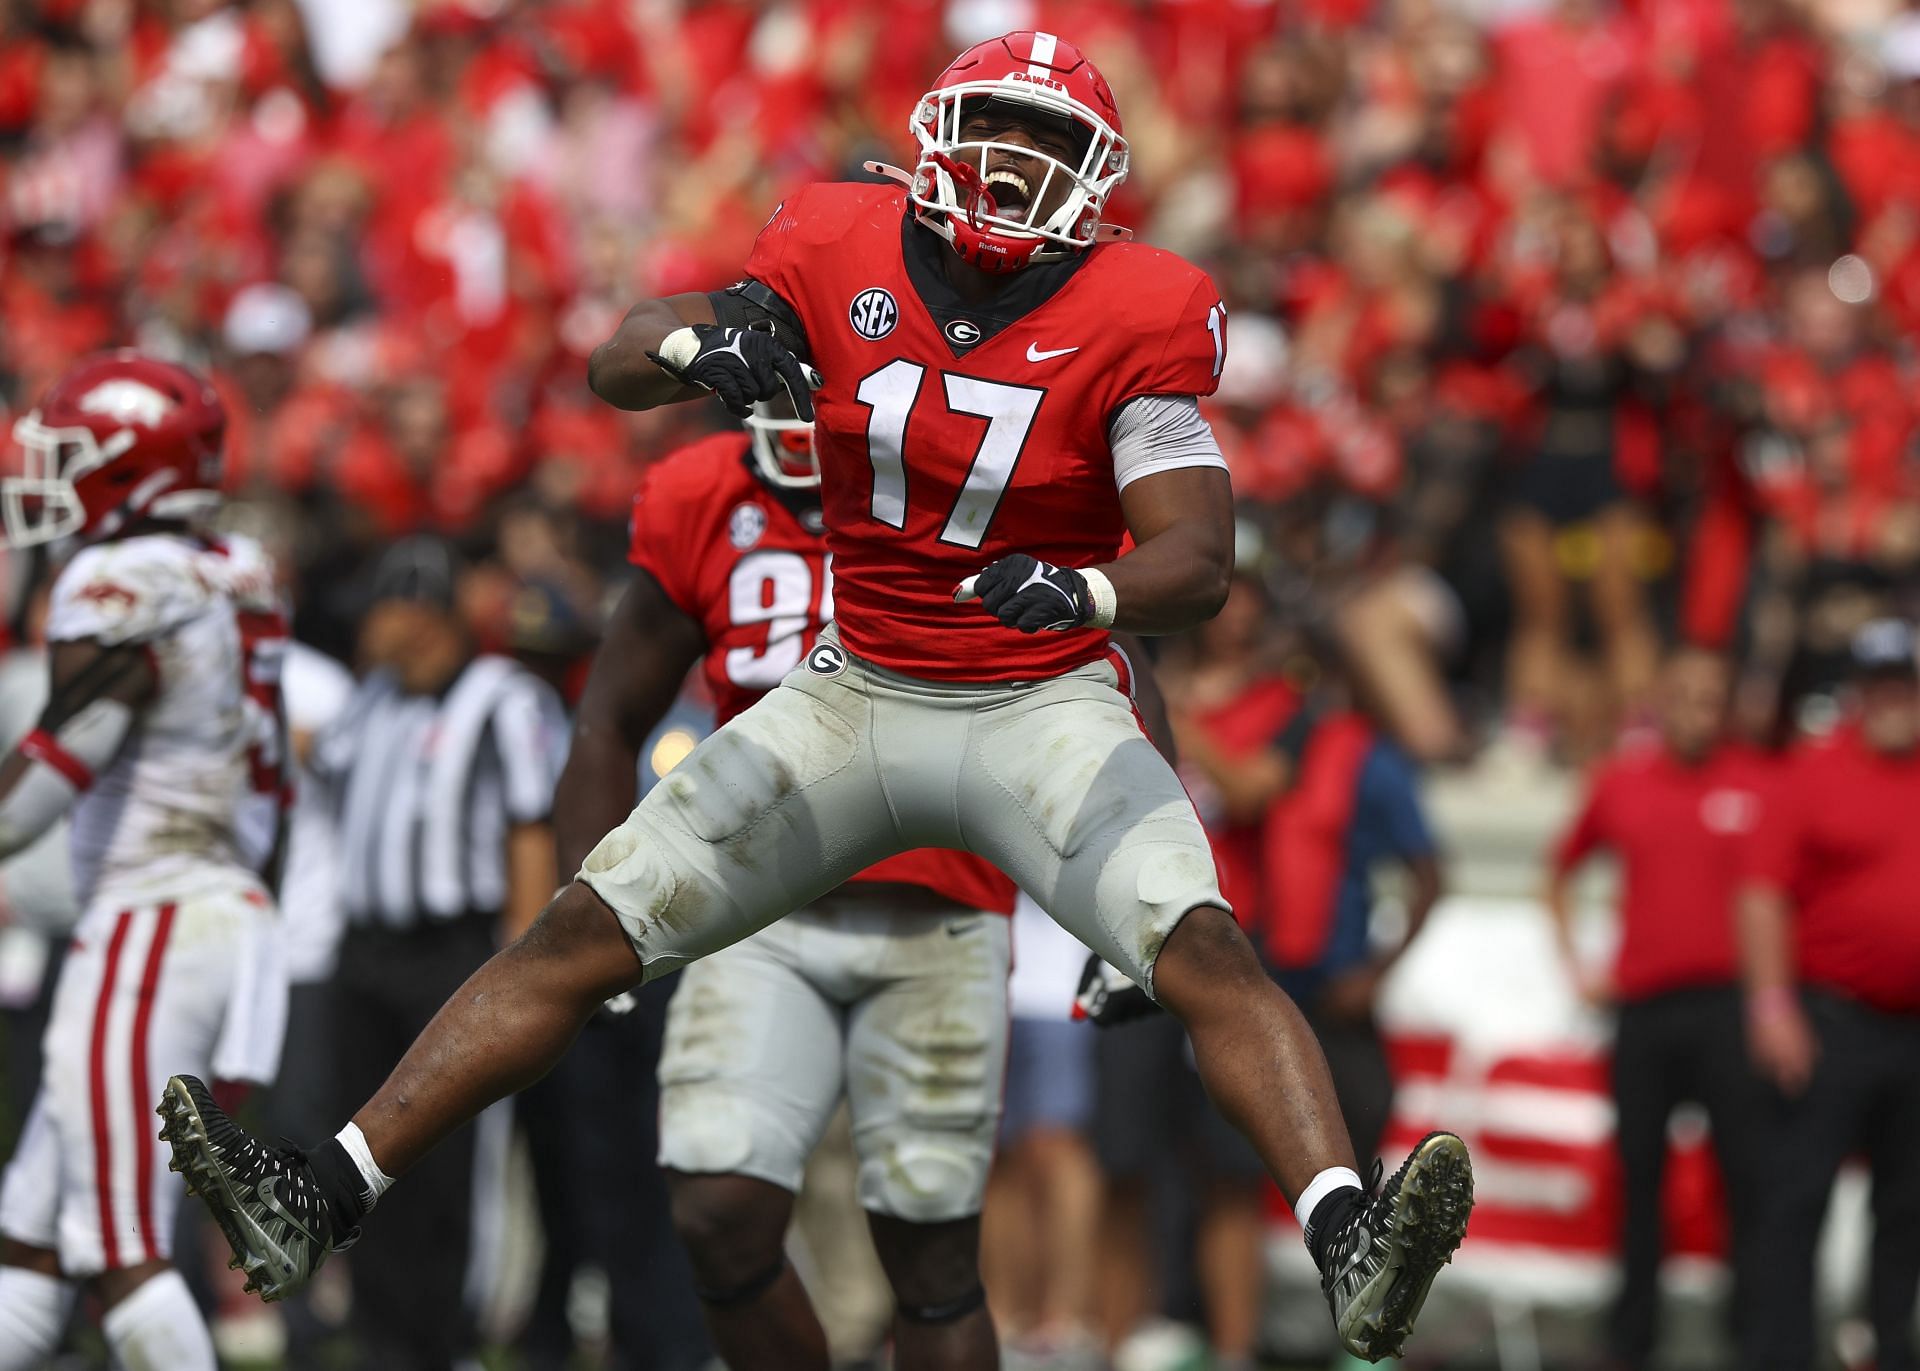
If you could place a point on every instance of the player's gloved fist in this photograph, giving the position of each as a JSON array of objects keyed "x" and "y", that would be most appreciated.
[
  {"x": 1028, "y": 594},
  {"x": 1107, "y": 996},
  {"x": 740, "y": 365}
]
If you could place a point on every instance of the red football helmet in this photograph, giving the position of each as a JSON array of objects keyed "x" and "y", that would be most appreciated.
[
  {"x": 783, "y": 446},
  {"x": 950, "y": 187},
  {"x": 120, "y": 436}
]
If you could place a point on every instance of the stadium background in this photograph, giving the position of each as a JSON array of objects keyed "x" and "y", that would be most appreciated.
[{"x": 1558, "y": 328}]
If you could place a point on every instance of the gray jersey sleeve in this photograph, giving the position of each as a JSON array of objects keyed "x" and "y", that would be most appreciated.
[{"x": 1154, "y": 433}]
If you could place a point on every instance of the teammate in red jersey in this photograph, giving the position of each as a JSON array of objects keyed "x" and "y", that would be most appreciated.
[
  {"x": 1006, "y": 392},
  {"x": 891, "y": 991}
]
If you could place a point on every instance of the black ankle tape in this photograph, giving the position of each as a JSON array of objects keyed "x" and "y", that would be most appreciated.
[
  {"x": 950, "y": 1312},
  {"x": 744, "y": 1293}
]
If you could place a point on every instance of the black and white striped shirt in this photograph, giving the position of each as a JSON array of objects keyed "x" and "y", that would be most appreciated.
[{"x": 426, "y": 788}]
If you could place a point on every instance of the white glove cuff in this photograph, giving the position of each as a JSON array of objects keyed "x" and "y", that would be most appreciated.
[
  {"x": 1105, "y": 603},
  {"x": 679, "y": 348}
]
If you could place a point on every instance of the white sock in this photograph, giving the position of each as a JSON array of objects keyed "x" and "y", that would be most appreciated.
[
  {"x": 1334, "y": 1178},
  {"x": 33, "y": 1314},
  {"x": 355, "y": 1142},
  {"x": 158, "y": 1328}
]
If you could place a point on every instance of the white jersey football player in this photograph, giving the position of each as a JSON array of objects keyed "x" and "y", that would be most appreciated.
[{"x": 162, "y": 740}]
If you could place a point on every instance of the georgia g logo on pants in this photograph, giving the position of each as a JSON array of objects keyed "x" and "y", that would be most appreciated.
[{"x": 826, "y": 660}]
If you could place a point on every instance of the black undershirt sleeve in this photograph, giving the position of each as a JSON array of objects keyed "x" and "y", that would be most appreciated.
[{"x": 749, "y": 302}]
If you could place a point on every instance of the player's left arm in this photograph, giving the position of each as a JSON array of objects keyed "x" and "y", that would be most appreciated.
[
  {"x": 1176, "y": 575},
  {"x": 97, "y": 692},
  {"x": 1175, "y": 495},
  {"x": 1178, "y": 572}
]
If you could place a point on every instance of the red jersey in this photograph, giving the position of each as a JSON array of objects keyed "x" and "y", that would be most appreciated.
[
  {"x": 1838, "y": 838},
  {"x": 752, "y": 571},
  {"x": 1681, "y": 833},
  {"x": 1240, "y": 727},
  {"x": 950, "y": 435}
]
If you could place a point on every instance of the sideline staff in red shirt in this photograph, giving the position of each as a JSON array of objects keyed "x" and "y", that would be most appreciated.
[
  {"x": 1830, "y": 938},
  {"x": 1678, "y": 813}
]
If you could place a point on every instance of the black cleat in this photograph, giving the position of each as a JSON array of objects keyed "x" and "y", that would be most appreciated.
[
  {"x": 1381, "y": 1262},
  {"x": 265, "y": 1199}
]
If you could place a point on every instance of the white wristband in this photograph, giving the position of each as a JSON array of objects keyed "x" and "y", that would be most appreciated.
[
  {"x": 1105, "y": 603},
  {"x": 680, "y": 347}
]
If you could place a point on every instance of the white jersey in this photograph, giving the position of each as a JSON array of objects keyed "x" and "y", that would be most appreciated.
[{"x": 192, "y": 801}]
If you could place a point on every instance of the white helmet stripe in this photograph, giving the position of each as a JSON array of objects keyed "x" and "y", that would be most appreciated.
[{"x": 1041, "y": 62}]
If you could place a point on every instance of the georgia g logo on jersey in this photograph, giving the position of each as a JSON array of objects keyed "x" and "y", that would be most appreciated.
[{"x": 873, "y": 313}]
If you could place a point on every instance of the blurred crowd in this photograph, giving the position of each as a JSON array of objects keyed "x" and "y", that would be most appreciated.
[{"x": 1555, "y": 324}]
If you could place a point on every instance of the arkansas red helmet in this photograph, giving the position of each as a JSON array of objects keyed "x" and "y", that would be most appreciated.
[
  {"x": 950, "y": 188},
  {"x": 121, "y": 436}
]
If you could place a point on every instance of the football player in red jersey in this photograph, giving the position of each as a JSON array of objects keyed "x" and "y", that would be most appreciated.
[
  {"x": 1005, "y": 392},
  {"x": 891, "y": 991}
]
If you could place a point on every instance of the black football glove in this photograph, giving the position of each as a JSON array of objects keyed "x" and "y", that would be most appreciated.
[
  {"x": 1107, "y": 997},
  {"x": 1028, "y": 594},
  {"x": 740, "y": 365}
]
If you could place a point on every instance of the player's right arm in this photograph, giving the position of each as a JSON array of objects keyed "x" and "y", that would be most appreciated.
[
  {"x": 650, "y": 645},
  {"x": 619, "y": 370},
  {"x": 744, "y": 343},
  {"x": 685, "y": 345},
  {"x": 97, "y": 691}
]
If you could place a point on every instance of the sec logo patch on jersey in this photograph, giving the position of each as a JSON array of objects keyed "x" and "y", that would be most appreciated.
[
  {"x": 873, "y": 313},
  {"x": 746, "y": 526}
]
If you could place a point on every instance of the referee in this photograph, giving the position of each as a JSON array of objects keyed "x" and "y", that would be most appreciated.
[
  {"x": 1830, "y": 939},
  {"x": 441, "y": 768}
]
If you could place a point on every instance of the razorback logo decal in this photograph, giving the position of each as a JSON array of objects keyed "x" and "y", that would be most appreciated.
[{"x": 107, "y": 593}]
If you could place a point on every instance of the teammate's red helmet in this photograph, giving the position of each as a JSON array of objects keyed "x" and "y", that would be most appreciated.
[
  {"x": 783, "y": 446},
  {"x": 1047, "y": 74},
  {"x": 120, "y": 436}
]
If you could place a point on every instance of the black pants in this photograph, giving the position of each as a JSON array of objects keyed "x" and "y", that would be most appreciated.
[
  {"x": 1864, "y": 1098},
  {"x": 409, "y": 1276},
  {"x": 592, "y": 1132},
  {"x": 1685, "y": 1045}
]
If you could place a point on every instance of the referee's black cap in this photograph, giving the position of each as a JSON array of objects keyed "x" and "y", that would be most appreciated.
[{"x": 421, "y": 568}]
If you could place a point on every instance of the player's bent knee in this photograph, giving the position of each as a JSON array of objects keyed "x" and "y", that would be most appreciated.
[
  {"x": 734, "y": 1229},
  {"x": 1206, "y": 953},
  {"x": 581, "y": 938},
  {"x": 934, "y": 1268}
]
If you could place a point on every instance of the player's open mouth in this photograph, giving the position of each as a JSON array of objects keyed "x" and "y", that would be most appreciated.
[{"x": 1011, "y": 193}]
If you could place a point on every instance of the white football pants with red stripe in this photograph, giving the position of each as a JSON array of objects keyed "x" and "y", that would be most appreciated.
[{"x": 195, "y": 985}]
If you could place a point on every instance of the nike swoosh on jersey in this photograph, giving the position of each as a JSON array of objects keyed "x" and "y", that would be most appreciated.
[{"x": 1034, "y": 354}]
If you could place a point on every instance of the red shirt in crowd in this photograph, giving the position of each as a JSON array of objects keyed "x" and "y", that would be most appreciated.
[
  {"x": 1838, "y": 838},
  {"x": 1680, "y": 832}
]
